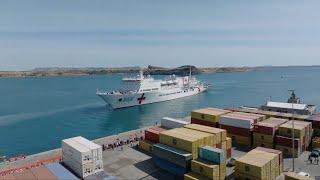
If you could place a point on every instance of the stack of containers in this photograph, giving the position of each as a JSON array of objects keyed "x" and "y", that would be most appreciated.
[
  {"x": 216, "y": 156},
  {"x": 207, "y": 116},
  {"x": 283, "y": 141},
  {"x": 308, "y": 132},
  {"x": 277, "y": 170},
  {"x": 82, "y": 156},
  {"x": 220, "y": 135},
  {"x": 184, "y": 139},
  {"x": 151, "y": 137},
  {"x": 239, "y": 126},
  {"x": 206, "y": 169},
  {"x": 265, "y": 131},
  {"x": 171, "y": 123},
  {"x": 257, "y": 164},
  {"x": 171, "y": 159}
]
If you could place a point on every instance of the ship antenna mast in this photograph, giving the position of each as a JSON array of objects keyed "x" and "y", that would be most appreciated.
[{"x": 189, "y": 77}]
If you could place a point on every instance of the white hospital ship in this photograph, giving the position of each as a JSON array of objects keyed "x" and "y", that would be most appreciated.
[{"x": 145, "y": 90}]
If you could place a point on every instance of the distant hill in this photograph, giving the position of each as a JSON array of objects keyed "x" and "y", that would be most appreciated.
[{"x": 152, "y": 70}]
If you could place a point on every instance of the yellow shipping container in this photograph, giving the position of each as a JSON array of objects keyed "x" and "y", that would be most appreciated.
[
  {"x": 229, "y": 143},
  {"x": 221, "y": 134},
  {"x": 243, "y": 140},
  {"x": 263, "y": 144},
  {"x": 205, "y": 168},
  {"x": 286, "y": 130},
  {"x": 294, "y": 176},
  {"x": 224, "y": 145},
  {"x": 256, "y": 164},
  {"x": 146, "y": 146},
  {"x": 180, "y": 140},
  {"x": 263, "y": 138},
  {"x": 223, "y": 171},
  {"x": 208, "y": 114},
  {"x": 208, "y": 137},
  {"x": 194, "y": 176}
]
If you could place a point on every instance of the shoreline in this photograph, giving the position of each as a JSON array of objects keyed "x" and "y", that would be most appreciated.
[{"x": 67, "y": 72}]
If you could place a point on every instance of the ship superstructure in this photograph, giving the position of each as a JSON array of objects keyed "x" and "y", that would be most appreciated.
[{"x": 145, "y": 90}]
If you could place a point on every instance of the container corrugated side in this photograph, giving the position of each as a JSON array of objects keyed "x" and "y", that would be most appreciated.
[
  {"x": 264, "y": 138},
  {"x": 271, "y": 150},
  {"x": 146, "y": 145},
  {"x": 236, "y": 130},
  {"x": 208, "y": 137},
  {"x": 179, "y": 141},
  {"x": 262, "y": 144},
  {"x": 221, "y": 134},
  {"x": 255, "y": 165},
  {"x": 287, "y": 151},
  {"x": 194, "y": 176},
  {"x": 176, "y": 156},
  {"x": 205, "y": 168},
  {"x": 171, "y": 123},
  {"x": 208, "y": 114},
  {"x": 236, "y": 121},
  {"x": 204, "y": 123},
  {"x": 285, "y": 129},
  {"x": 212, "y": 154},
  {"x": 240, "y": 140},
  {"x": 229, "y": 142}
]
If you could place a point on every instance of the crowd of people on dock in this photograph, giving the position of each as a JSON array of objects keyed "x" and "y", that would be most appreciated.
[{"x": 116, "y": 143}]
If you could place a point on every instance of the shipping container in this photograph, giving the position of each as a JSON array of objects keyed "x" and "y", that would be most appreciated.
[
  {"x": 286, "y": 129},
  {"x": 240, "y": 140},
  {"x": 229, "y": 142},
  {"x": 205, "y": 168},
  {"x": 212, "y": 154},
  {"x": 204, "y": 123},
  {"x": 42, "y": 172},
  {"x": 229, "y": 153},
  {"x": 171, "y": 123},
  {"x": 295, "y": 176},
  {"x": 220, "y": 134},
  {"x": 287, "y": 141},
  {"x": 255, "y": 117},
  {"x": 181, "y": 141},
  {"x": 236, "y": 121},
  {"x": 236, "y": 130},
  {"x": 262, "y": 144},
  {"x": 280, "y": 157},
  {"x": 256, "y": 164},
  {"x": 59, "y": 171},
  {"x": 308, "y": 131},
  {"x": 222, "y": 170},
  {"x": 263, "y": 138},
  {"x": 208, "y": 114},
  {"x": 176, "y": 156},
  {"x": 170, "y": 167},
  {"x": 269, "y": 126},
  {"x": 209, "y": 139},
  {"x": 82, "y": 156},
  {"x": 287, "y": 151},
  {"x": 152, "y": 134},
  {"x": 194, "y": 176},
  {"x": 146, "y": 146}
]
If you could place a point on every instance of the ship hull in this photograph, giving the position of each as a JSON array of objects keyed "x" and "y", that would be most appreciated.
[{"x": 138, "y": 99}]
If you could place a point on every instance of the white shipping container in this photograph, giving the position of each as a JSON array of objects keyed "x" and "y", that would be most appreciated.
[
  {"x": 81, "y": 170},
  {"x": 76, "y": 151},
  {"x": 98, "y": 166},
  {"x": 172, "y": 123},
  {"x": 236, "y": 121}
]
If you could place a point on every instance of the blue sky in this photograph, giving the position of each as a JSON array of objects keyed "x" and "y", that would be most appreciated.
[{"x": 113, "y": 33}]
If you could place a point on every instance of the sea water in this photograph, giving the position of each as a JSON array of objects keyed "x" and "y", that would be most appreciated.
[{"x": 36, "y": 113}]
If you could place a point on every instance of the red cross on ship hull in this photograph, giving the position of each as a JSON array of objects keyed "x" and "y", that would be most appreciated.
[{"x": 142, "y": 98}]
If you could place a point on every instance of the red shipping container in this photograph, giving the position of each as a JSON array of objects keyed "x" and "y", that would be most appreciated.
[
  {"x": 264, "y": 130},
  {"x": 201, "y": 122},
  {"x": 152, "y": 134},
  {"x": 229, "y": 153},
  {"x": 236, "y": 130},
  {"x": 286, "y": 141}
]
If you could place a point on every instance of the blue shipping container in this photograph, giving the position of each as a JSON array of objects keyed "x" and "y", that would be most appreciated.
[
  {"x": 170, "y": 167},
  {"x": 212, "y": 154},
  {"x": 61, "y": 172}
]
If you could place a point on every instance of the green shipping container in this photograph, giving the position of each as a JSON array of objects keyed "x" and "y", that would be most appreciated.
[{"x": 176, "y": 156}]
